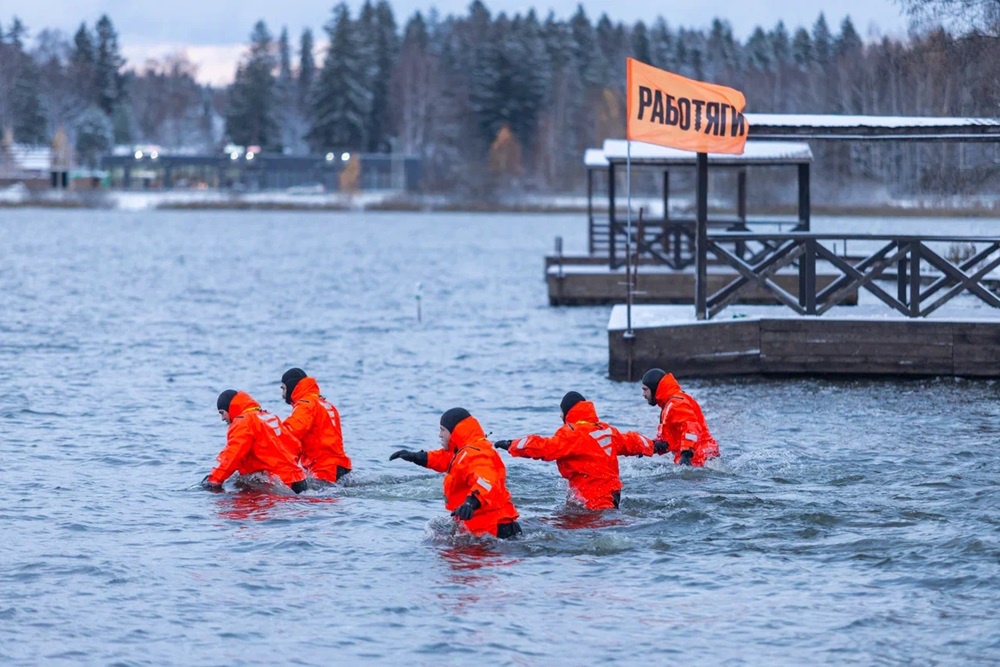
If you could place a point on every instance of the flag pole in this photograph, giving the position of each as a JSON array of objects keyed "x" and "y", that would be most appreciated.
[{"x": 628, "y": 237}]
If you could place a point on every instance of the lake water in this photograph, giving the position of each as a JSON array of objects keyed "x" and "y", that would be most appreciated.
[{"x": 847, "y": 522}]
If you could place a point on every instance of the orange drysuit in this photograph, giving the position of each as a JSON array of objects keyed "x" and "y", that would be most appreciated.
[
  {"x": 586, "y": 451},
  {"x": 470, "y": 463},
  {"x": 316, "y": 424},
  {"x": 256, "y": 442},
  {"x": 682, "y": 426}
]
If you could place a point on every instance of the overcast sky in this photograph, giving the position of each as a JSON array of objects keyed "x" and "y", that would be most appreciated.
[{"x": 214, "y": 34}]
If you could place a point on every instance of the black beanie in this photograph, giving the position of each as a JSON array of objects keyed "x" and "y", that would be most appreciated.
[
  {"x": 652, "y": 379},
  {"x": 225, "y": 398},
  {"x": 290, "y": 379},
  {"x": 451, "y": 418},
  {"x": 569, "y": 400}
]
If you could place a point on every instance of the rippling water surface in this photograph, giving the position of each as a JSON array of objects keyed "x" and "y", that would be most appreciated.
[{"x": 848, "y": 522}]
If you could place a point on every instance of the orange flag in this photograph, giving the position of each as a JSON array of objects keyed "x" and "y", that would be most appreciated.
[{"x": 671, "y": 110}]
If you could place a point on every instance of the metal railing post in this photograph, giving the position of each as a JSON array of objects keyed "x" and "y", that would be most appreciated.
[
  {"x": 902, "y": 282},
  {"x": 807, "y": 278},
  {"x": 612, "y": 223},
  {"x": 701, "y": 241}
]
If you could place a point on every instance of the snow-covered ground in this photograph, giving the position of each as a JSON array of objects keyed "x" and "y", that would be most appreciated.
[{"x": 19, "y": 195}]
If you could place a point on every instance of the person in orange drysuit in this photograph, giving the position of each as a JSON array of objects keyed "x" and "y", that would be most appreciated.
[
  {"x": 475, "y": 481},
  {"x": 585, "y": 450},
  {"x": 316, "y": 424},
  {"x": 255, "y": 442},
  {"x": 682, "y": 428}
]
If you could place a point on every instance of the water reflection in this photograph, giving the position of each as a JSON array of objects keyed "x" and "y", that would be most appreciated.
[
  {"x": 471, "y": 557},
  {"x": 577, "y": 518},
  {"x": 256, "y": 504}
]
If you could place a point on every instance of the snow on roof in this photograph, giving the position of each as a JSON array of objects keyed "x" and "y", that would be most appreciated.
[
  {"x": 594, "y": 157},
  {"x": 914, "y": 128},
  {"x": 31, "y": 158},
  {"x": 755, "y": 152},
  {"x": 839, "y": 121}
]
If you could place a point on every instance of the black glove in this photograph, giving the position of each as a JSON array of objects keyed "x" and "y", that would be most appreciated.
[
  {"x": 686, "y": 456},
  {"x": 211, "y": 486},
  {"x": 300, "y": 486},
  {"x": 502, "y": 444},
  {"x": 420, "y": 458},
  {"x": 660, "y": 447},
  {"x": 465, "y": 510}
]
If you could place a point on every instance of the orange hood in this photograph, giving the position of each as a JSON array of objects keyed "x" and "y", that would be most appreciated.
[
  {"x": 467, "y": 432},
  {"x": 241, "y": 402},
  {"x": 668, "y": 387},
  {"x": 583, "y": 411},
  {"x": 305, "y": 387}
]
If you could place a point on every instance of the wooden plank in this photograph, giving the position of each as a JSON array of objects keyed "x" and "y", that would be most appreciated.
[
  {"x": 887, "y": 351},
  {"x": 711, "y": 348},
  {"x": 832, "y": 326},
  {"x": 872, "y": 335},
  {"x": 602, "y": 288},
  {"x": 815, "y": 346},
  {"x": 862, "y": 368}
]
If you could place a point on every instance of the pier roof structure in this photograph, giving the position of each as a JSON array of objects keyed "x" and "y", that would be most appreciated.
[
  {"x": 778, "y": 127},
  {"x": 756, "y": 153}
]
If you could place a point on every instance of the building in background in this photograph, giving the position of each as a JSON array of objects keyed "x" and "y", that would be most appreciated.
[{"x": 247, "y": 169}]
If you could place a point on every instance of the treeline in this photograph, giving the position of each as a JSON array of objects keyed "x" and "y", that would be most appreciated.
[{"x": 496, "y": 101}]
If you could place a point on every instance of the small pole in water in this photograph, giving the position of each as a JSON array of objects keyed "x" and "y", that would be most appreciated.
[{"x": 420, "y": 288}]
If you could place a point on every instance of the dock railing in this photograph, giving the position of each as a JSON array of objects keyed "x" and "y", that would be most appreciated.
[{"x": 925, "y": 279}]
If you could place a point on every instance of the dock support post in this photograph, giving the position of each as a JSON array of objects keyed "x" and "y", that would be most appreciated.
[
  {"x": 807, "y": 278},
  {"x": 701, "y": 240},
  {"x": 804, "y": 203},
  {"x": 612, "y": 223}
]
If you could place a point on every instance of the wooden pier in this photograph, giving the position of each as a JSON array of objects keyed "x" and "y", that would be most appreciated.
[
  {"x": 781, "y": 343},
  {"x": 589, "y": 283},
  {"x": 936, "y": 322}
]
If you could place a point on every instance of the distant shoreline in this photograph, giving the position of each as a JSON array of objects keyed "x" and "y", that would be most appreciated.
[{"x": 979, "y": 207}]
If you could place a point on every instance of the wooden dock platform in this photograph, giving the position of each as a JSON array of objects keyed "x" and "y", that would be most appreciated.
[
  {"x": 588, "y": 281},
  {"x": 783, "y": 343}
]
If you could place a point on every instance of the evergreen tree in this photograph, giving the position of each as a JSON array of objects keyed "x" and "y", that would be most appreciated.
[
  {"x": 640, "y": 43},
  {"x": 822, "y": 41},
  {"x": 528, "y": 75},
  {"x": 781, "y": 45},
  {"x": 610, "y": 55},
  {"x": 285, "y": 67},
  {"x": 307, "y": 69},
  {"x": 848, "y": 42},
  {"x": 759, "y": 51},
  {"x": 586, "y": 52},
  {"x": 83, "y": 65},
  {"x": 20, "y": 88},
  {"x": 662, "y": 46},
  {"x": 388, "y": 52},
  {"x": 16, "y": 34},
  {"x": 724, "y": 50},
  {"x": 340, "y": 103},
  {"x": 785, "y": 71},
  {"x": 108, "y": 64},
  {"x": 802, "y": 48},
  {"x": 379, "y": 29},
  {"x": 286, "y": 113},
  {"x": 250, "y": 117}
]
